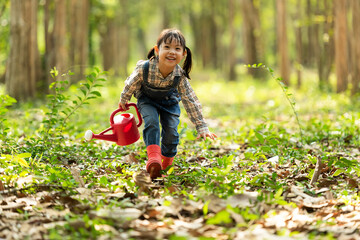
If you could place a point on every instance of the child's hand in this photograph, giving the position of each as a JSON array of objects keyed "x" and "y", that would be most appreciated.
[
  {"x": 123, "y": 105},
  {"x": 210, "y": 135}
]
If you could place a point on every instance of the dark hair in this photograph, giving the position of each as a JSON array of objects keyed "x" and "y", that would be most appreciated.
[{"x": 167, "y": 36}]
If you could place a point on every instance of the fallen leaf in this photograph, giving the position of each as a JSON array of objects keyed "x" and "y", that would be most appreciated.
[
  {"x": 24, "y": 180},
  {"x": 126, "y": 214},
  {"x": 76, "y": 175},
  {"x": 131, "y": 158},
  {"x": 1, "y": 186}
]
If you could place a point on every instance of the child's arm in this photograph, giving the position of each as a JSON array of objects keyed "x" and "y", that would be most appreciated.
[
  {"x": 132, "y": 84},
  {"x": 194, "y": 110}
]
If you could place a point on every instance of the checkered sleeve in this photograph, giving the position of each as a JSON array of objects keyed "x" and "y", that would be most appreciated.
[
  {"x": 192, "y": 106},
  {"x": 132, "y": 83}
]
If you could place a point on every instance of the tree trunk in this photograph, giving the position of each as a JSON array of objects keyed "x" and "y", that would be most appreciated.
[
  {"x": 165, "y": 14},
  {"x": 298, "y": 44},
  {"x": 108, "y": 44},
  {"x": 58, "y": 52},
  {"x": 124, "y": 40},
  {"x": 311, "y": 34},
  {"x": 78, "y": 28},
  {"x": 355, "y": 47},
  {"x": 252, "y": 35},
  {"x": 326, "y": 58},
  {"x": 48, "y": 46},
  {"x": 23, "y": 69},
  {"x": 283, "y": 41},
  {"x": 205, "y": 20},
  {"x": 232, "y": 47},
  {"x": 341, "y": 63}
]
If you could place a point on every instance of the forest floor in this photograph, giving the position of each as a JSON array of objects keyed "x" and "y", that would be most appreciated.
[{"x": 261, "y": 179}]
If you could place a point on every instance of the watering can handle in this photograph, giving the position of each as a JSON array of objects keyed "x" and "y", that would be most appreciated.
[{"x": 122, "y": 110}]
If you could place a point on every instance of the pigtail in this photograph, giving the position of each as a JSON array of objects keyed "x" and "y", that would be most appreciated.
[
  {"x": 151, "y": 53},
  {"x": 187, "y": 63}
]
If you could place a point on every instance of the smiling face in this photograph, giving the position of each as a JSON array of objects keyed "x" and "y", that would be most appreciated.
[{"x": 170, "y": 54}]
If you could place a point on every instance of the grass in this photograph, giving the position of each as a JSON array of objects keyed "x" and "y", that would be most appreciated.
[{"x": 259, "y": 150}]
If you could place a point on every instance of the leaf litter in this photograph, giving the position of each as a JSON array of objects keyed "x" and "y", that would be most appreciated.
[{"x": 186, "y": 206}]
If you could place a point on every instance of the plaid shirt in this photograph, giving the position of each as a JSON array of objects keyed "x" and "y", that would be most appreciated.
[{"x": 190, "y": 101}]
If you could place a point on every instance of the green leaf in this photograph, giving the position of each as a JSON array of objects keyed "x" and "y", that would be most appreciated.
[
  {"x": 338, "y": 172},
  {"x": 206, "y": 207},
  {"x": 259, "y": 136},
  {"x": 219, "y": 218},
  {"x": 83, "y": 91},
  {"x": 87, "y": 85},
  {"x": 97, "y": 93},
  {"x": 103, "y": 181}
]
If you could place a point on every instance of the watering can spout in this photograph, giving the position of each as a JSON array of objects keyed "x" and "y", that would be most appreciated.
[{"x": 107, "y": 137}]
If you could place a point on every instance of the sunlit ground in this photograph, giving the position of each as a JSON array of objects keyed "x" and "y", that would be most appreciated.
[{"x": 244, "y": 102}]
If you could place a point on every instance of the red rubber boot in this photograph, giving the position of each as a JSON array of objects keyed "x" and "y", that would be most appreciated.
[
  {"x": 153, "y": 165},
  {"x": 166, "y": 161}
]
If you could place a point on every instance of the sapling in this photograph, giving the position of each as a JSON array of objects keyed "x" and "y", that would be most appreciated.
[
  {"x": 285, "y": 89},
  {"x": 62, "y": 107}
]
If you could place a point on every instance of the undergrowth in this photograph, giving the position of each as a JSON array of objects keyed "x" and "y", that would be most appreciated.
[{"x": 260, "y": 149}]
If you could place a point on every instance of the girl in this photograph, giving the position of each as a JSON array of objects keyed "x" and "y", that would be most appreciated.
[{"x": 159, "y": 84}]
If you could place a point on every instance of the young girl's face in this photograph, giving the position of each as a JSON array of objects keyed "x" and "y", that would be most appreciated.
[{"x": 170, "y": 54}]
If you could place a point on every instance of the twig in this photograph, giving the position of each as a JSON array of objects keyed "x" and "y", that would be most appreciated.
[{"x": 317, "y": 172}]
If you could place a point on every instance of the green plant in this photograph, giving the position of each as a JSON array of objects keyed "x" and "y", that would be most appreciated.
[
  {"x": 62, "y": 107},
  {"x": 285, "y": 89},
  {"x": 5, "y": 102}
]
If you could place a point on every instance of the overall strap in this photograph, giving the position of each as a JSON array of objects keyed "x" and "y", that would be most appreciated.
[
  {"x": 176, "y": 82},
  {"x": 146, "y": 71}
]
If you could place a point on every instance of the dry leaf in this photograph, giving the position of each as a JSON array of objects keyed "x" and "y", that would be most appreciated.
[
  {"x": 131, "y": 158},
  {"x": 126, "y": 214},
  {"x": 76, "y": 175},
  {"x": 1, "y": 186},
  {"x": 24, "y": 180}
]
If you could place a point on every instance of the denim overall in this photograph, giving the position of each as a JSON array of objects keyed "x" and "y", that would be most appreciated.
[{"x": 160, "y": 106}]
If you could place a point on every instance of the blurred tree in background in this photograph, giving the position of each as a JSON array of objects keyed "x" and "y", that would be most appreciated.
[{"x": 290, "y": 36}]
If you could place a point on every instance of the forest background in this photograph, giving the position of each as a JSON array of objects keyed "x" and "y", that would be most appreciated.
[
  {"x": 72, "y": 35},
  {"x": 279, "y": 85}
]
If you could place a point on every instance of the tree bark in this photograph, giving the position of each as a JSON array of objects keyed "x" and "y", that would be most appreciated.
[
  {"x": 124, "y": 40},
  {"x": 252, "y": 36},
  {"x": 298, "y": 44},
  {"x": 283, "y": 41},
  {"x": 58, "y": 52},
  {"x": 108, "y": 44},
  {"x": 232, "y": 47},
  {"x": 78, "y": 28},
  {"x": 326, "y": 58},
  {"x": 23, "y": 68},
  {"x": 341, "y": 46},
  {"x": 355, "y": 47}
]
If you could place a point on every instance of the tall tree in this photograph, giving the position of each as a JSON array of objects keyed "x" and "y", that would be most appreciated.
[
  {"x": 325, "y": 45},
  {"x": 341, "y": 46},
  {"x": 282, "y": 41},
  {"x": 124, "y": 41},
  {"x": 205, "y": 29},
  {"x": 355, "y": 47},
  {"x": 56, "y": 48},
  {"x": 232, "y": 47},
  {"x": 115, "y": 35},
  {"x": 23, "y": 62},
  {"x": 78, "y": 28},
  {"x": 252, "y": 34},
  {"x": 298, "y": 43}
]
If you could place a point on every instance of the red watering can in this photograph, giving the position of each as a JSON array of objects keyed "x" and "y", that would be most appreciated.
[{"x": 124, "y": 128}]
